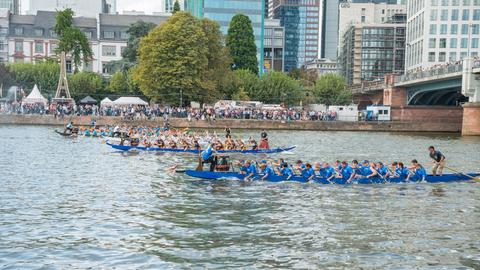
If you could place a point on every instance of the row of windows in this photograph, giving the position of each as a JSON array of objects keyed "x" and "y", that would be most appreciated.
[
  {"x": 452, "y": 56},
  {"x": 475, "y": 29},
  {"x": 454, "y": 2},
  {"x": 276, "y": 42},
  {"x": 39, "y": 32},
  {"x": 442, "y": 43},
  {"x": 455, "y": 15},
  {"x": 107, "y": 50}
]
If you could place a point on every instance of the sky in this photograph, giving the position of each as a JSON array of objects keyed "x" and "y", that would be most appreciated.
[{"x": 148, "y": 6}]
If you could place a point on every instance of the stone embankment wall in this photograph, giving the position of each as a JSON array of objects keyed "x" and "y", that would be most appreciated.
[{"x": 393, "y": 126}]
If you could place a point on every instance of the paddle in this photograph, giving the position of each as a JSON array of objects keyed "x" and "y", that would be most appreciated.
[
  {"x": 469, "y": 176},
  {"x": 200, "y": 163}
]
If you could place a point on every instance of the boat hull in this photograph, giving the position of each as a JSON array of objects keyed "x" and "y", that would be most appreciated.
[
  {"x": 156, "y": 149},
  {"x": 377, "y": 180}
]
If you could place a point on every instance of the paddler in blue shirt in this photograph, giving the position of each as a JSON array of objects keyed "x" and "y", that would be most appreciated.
[
  {"x": 208, "y": 156},
  {"x": 346, "y": 172},
  {"x": 286, "y": 171},
  {"x": 381, "y": 169},
  {"x": 401, "y": 171},
  {"x": 419, "y": 173},
  {"x": 328, "y": 171},
  {"x": 367, "y": 170},
  {"x": 300, "y": 166},
  {"x": 265, "y": 170},
  {"x": 251, "y": 170},
  {"x": 308, "y": 173}
]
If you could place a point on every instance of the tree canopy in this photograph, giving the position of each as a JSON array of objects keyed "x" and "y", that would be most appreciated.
[
  {"x": 241, "y": 43},
  {"x": 278, "y": 87},
  {"x": 176, "y": 7},
  {"x": 331, "y": 89},
  {"x": 85, "y": 83},
  {"x": 71, "y": 39},
  {"x": 136, "y": 31},
  {"x": 178, "y": 58}
]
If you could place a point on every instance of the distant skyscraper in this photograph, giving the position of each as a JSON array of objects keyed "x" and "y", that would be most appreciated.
[
  {"x": 12, "y": 5},
  {"x": 329, "y": 29}
]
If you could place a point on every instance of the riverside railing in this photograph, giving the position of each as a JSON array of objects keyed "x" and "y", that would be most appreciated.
[{"x": 433, "y": 72}]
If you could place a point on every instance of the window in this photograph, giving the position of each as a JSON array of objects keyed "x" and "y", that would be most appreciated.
[
  {"x": 109, "y": 34},
  {"x": 434, "y": 3},
  {"x": 474, "y": 43},
  {"x": 455, "y": 2},
  {"x": 124, "y": 35},
  {"x": 466, "y": 2},
  {"x": 19, "y": 31},
  {"x": 52, "y": 33},
  {"x": 18, "y": 46},
  {"x": 442, "y": 56},
  {"x": 38, "y": 47},
  {"x": 268, "y": 31},
  {"x": 267, "y": 42},
  {"x": 453, "y": 43},
  {"x": 463, "y": 55},
  {"x": 433, "y": 15},
  {"x": 453, "y": 56},
  {"x": 433, "y": 29},
  {"x": 476, "y": 15},
  {"x": 68, "y": 65},
  {"x": 442, "y": 43},
  {"x": 455, "y": 13},
  {"x": 454, "y": 29},
  {"x": 464, "y": 43},
  {"x": 464, "y": 29},
  {"x": 443, "y": 29},
  {"x": 432, "y": 43},
  {"x": 431, "y": 57},
  {"x": 363, "y": 11},
  {"x": 105, "y": 69},
  {"x": 444, "y": 15},
  {"x": 109, "y": 50},
  {"x": 363, "y": 19},
  {"x": 476, "y": 3},
  {"x": 465, "y": 15},
  {"x": 38, "y": 32},
  {"x": 88, "y": 34},
  {"x": 444, "y": 3},
  {"x": 53, "y": 47}
]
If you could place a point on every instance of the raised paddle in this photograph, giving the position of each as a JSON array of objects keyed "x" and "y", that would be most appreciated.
[{"x": 469, "y": 176}]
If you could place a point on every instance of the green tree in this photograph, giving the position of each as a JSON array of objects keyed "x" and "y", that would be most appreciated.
[
  {"x": 241, "y": 80},
  {"x": 241, "y": 94},
  {"x": 176, "y": 7},
  {"x": 136, "y": 32},
  {"x": 173, "y": 59},
  {"x": 85, "y": 83},
  {"x": 71, "y": 39},
  {"x": 241, "y": 43},
  {"x": 331, "y": 89},
  {"x": 44, "y": 74},
  {"x": 278, "y": 87},
  {"x": 121, "y": 83}
]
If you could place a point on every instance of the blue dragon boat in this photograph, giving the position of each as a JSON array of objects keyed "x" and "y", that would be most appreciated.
[
  {"x": 297, "y": 178},
  {"x": 193, "y": 151}
]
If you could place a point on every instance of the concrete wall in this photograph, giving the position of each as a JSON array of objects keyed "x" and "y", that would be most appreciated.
[
  {"x": 471, "y": 119},
  {"x": 448, "y": 116},
  {"x": 400, "y": 126}
]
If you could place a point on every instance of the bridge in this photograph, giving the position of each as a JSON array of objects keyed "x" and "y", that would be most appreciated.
[{"x": 451, "y": 85}]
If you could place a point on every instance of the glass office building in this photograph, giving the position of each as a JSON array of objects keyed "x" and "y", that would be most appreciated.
[
  {"x": 12, "y": 5},
  {"x": 302, "y": 30},
  {"x": 222, "y": 12}
]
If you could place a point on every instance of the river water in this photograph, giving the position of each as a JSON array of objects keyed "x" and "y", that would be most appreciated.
[{"x": 75, "y": 204}]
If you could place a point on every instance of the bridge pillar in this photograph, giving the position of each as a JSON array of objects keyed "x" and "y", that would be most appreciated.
[
  {"x": 395, "y": 96},
  {"x": 471, "y": 119},
  {"x": 470, "y": 81}
]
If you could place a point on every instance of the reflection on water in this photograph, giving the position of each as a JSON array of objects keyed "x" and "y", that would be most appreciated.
[{"x": 75, "y": 203}]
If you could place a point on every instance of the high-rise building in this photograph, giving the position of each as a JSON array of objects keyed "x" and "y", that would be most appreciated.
[
  {"x": 369, "y": 12},
  {"x": 440, "y": 31},
  {"x": 273, "y": 46},
  {"x": 329, "y": 29},
  {"x": 301, "y": 20},
  {"x": 82, "y": 8},
  {"x": 222, "y": 12},
  {"x": 370, "y": 51},
  {"x": 12, "y": 5}
]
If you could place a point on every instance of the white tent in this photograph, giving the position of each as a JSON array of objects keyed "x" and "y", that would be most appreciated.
[
  {"x": 130, "y": 101},
  {"x": 106, "y": 102},
  {"x": 35, "y": 97}
]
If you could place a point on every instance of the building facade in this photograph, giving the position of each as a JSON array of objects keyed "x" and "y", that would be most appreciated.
[
  {"x": 329, "y": 29},
  {"x": 12, "y": 5},
  {"x": 31, "y": 37},
  {"x": 321, "y": 66},
  {"x": 4, "y": 22},
  {"x": 367, "y": 13},
  {"x": 301, "y": 20},
  {"x": 370, "y": 51},
  {"x": 222, "y": 12},
  {"x": 440, "y": 31},
  {"x": 82, "y": 8},
  {"x": 273, "y": 46},
  {"x": 166, "y": 6}
]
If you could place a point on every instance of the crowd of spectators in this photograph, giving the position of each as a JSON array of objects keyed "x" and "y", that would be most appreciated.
[{"x": 135, "y": 112}]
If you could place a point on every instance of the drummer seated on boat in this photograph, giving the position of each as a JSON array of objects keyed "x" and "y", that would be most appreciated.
[
  {"x": 418, "y": 172},
  {"x": 69, "y": 127},
  {"x": 265, "y": 170},
  {"x": 223, "y": 165}
]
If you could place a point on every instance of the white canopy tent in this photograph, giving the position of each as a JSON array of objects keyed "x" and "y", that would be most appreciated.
[
  {"x": 130, "y": 101},
  {"x": 35, "y": 97},
  {"x": 106, "y": 102}
]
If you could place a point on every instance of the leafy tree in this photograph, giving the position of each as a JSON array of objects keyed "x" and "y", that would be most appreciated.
[
  {"x": 121, "y": 83},
  {"x": 173, "y": 58},
  {"x": 85, "y": 83},
  {"x": 278, "y": 87},
  {"x": 305, "y": 78},
  {"x": 136, "y": 31},
  {"x": 241, "y": 80},
  {"x": 331, "y": 89},
  {"x": 241, "y": 94},
  {"x": 72, "y": 40},
  {"x": 241, "y": 43},
  {"x": 176, "y": 7},
  {"x": 44, "y": 74}
]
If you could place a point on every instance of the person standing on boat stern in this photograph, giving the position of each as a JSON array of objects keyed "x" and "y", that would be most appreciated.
[
  {"x": 438, "y": 160},
  {"x": 209, "y": 157},
  {"x": 264, "y": 140}
]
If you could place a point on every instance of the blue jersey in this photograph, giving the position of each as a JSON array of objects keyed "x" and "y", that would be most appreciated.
[
  {"x": 287, "y": 171},
  {"x": 207, "y": 153},
  {"x": 401, "y": 172},
  {"x": 267, "y": 170},
  {"x": 308, "y": 172},
  {"x": 420, "y": 174},
  {"x": 366, "y": 171},
  {"x": 346, "y": 172},
  {"x": 252, "y": 169},
  {"x": 382, "y": 171},
  {"x": 328, "y": 172}
]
